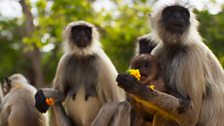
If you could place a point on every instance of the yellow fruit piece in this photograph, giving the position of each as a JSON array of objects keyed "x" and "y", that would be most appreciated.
[
  {"x": 152, "y": 87},
  {"x": 135, "y": 73}
]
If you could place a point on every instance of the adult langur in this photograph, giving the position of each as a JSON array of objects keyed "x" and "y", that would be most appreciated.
[{"x": 189, "y": 67}]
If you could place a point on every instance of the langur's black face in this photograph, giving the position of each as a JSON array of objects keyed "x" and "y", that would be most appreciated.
[
  {"x": 81, "y": 36},
  {"x": 175, "y": 19}
]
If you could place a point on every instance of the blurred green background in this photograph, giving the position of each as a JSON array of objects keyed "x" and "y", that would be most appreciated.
[{"x": 30, "y": 31}]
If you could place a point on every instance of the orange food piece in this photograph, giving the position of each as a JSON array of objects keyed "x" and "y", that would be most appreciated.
[{"x": 49, "y": 101}]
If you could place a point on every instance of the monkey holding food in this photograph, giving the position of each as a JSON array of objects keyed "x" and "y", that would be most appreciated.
[
  {"x": 188, "y": 67},
  {"x": 86, "y": 77},
  {"x": 149, "y": 75}
]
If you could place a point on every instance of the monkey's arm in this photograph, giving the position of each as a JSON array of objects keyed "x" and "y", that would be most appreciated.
[
  {"x": 109, "y": 89},
  {"x": 105, "y": 114},
  {"x": 41, "y": 96},
  {"x": 160, "y": 101},
  {"x": 109, "y": 94},
  {"x": 60, "y": 117}
]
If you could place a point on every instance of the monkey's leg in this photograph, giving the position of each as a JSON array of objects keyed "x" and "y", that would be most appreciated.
[
  {"x": 59, "y": 116},
  {"x": 123, "y": 115},
  {"x": 105, "y": 114},
  {"x": 163, "y": 102},
  {"x": 5, "y": 116}
]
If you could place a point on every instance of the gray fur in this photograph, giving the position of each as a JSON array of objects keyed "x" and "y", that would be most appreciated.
[
  {"x": 87, "y": 78},
  {"x": 18, "y": 105},
  {"x": 78, "y": 70}
]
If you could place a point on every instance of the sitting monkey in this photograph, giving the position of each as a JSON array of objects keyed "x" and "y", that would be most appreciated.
[
  {"x": 17, "y": 108},
  {"x": 150, "y": 75}
]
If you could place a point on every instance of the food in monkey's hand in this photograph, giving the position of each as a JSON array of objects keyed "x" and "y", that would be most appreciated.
[
  {"x": 135, "y": 73},
  {"x": 146, "y": 70},
  {"x": 40, "y": 102},
  {"x": 45, "y": 98},
  {"x": 49, "y": 101}
]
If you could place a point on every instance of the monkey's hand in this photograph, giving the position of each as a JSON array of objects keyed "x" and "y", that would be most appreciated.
[
  {"x": 46, "y": 97},
  {"x": 40, "y": 103},
  {"x": 130, "y": 83}
]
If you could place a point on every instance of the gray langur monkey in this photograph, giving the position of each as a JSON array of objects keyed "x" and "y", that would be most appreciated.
[
  {"x": 188, "y": 67},
  {"x": 17, "y": 108},
  {"x": 87, "y": 78}
]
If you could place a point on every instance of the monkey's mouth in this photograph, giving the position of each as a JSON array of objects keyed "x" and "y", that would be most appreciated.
[
  {"x": 176, "y": 27},
  {"x": 82, "y": 44},
  {"x": 143, "y": 77}
]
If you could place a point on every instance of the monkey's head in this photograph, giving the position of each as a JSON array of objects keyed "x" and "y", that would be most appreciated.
[
  {"x": 173, "y": 21},
  {"x": 147, "y": 65},
  {"x": 80, "y": 37},
  {"x": 14, "y": 81}
]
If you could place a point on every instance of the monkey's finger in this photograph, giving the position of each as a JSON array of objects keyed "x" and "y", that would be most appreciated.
[
  {"x": 127, "y": 83},
  {"x": 124, "y": 77}
]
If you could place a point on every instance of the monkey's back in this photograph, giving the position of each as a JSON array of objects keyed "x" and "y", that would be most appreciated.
[{"x": 20, "y": 106}]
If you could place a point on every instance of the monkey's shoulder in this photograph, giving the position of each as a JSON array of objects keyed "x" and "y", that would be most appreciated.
[{"x": 19, "y": 96}]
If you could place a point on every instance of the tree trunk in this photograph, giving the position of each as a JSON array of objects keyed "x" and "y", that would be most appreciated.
[{"x": 34, "y": 56}]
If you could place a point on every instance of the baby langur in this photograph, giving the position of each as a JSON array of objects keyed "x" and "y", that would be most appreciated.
[
  {"x": 18, "y": 104},
  {"x": 149, "y": 70},
  {"x": 150, "y": 75}
]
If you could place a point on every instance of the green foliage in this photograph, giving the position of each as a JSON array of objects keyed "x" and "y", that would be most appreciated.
[
  {"x": 212, "y": 30},
  {"x": 10, "y": 52},
  {"x": 119, "y": 29}
]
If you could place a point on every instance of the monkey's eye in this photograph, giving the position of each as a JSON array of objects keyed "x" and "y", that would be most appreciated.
[{"x": 89, "y": 31}]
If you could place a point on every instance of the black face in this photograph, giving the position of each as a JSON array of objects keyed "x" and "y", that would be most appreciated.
[
  {"x": 175, "y": 19},
  {"x": 81, "y": 36}
]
